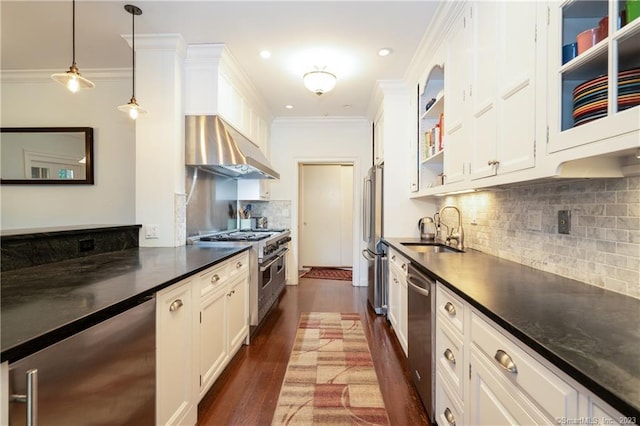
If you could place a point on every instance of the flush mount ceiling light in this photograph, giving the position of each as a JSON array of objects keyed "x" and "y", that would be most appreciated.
[
  {"x": 132, "y": 108},
  {"x": 72, "y": 79},
  {"x": 319, "y": 81}
]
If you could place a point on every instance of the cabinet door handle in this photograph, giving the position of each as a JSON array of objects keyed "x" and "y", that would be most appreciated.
[
  {"x": 393, "y": 257},
  {"x": 31, "y": 398},
  {"x": 505, "y": 361},
  {"x": 215, "y": 278},
  {"x": 449, "y": 416},
  {"x": 449, "y": 356},
  {"x": 177, "y": 304},
  {"x": 232, "y": 292},
  {"x": 450, "y": 308},
  {"x": 238, "y": 265}
]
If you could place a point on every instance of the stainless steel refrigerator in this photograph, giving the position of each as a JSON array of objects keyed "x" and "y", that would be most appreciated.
[{"x": 376, "y": 251}]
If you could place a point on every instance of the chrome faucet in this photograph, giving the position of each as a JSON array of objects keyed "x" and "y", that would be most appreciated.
[{"x": 452, "y": 233}]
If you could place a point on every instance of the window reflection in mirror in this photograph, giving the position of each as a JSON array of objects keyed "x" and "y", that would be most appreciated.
[{"x": 46, "y": 155}]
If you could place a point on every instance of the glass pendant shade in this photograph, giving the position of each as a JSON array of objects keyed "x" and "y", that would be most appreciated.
[
  {"x": 319, "y": 82},
  {"x": 72, "y": 79},
  {"x": 132, "y": 108}
]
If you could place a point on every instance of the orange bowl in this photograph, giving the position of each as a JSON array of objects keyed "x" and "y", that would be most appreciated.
[{"x": 587, "y": 38}]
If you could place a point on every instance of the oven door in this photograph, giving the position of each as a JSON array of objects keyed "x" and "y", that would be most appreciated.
[{"x": 271, "y": 281}]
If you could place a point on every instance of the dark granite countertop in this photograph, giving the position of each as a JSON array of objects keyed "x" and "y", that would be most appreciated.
[
  {"x": 590, "y": 333},
  {"x": 35, "y": 233},
  {"x": 44, "y": 304}
]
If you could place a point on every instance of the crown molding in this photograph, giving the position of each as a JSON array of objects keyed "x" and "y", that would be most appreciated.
[{"x": 302, "y": 121}]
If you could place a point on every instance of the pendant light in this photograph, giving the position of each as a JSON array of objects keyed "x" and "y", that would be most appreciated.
[
  {"x": 132, "y": 108},
  {"x": 72, "y": 79}
]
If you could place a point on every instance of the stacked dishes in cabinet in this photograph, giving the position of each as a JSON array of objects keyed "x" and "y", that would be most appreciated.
[{"x": 590, "y": 99}]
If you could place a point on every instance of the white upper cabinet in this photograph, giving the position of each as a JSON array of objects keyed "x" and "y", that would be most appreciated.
[
  {"x": 593, "y": 104},
  {"x": 503, "y": 91},
  {"x": 457, "y": 129}
]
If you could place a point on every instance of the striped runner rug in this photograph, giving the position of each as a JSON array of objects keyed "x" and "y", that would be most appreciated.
[{"x": 330, "y": 379}]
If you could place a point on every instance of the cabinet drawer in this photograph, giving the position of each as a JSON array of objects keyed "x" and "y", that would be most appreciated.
[
  {"x": 213, "y": 277},
  {"x": 549, "y": 391},
  {"x": 448, "y": 408},
  {"x": 451, "y": 307},
  {"x": 449, "y": 355},
  {"x": 397, "y": 261},
  {"x": 238, "y": 264}
]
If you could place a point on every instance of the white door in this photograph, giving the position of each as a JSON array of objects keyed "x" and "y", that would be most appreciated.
[{"x": 326, "y": 215}]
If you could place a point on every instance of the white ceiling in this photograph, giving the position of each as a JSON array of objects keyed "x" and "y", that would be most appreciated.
[{"x": 299, "y": 34}]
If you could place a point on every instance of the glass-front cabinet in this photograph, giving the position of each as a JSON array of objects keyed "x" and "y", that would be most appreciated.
[
  {"x": 594, "y": 72},
  {"x": 431, "y": 125}
]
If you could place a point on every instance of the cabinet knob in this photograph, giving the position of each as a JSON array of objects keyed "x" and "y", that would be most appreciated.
[
  {"x": 451, "y": 310},
  {"x": 449, "y": 356},
  {"x": 175, "y": 305},
  {"x": 239, "y": 265},
  {"x": 232, "y": 292},
  {"x": 215, "y": 278},
  {"x": 449, "y": 416},
  {"x": 505, "y": 361}
]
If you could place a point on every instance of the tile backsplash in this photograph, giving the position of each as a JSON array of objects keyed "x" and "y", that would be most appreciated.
[
  {"x": 278, "y": 213},
  {"x": 520, "y": 224}
]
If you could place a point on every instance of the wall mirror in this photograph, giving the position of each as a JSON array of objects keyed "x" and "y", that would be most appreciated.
[{"x": 46, "y": 155}]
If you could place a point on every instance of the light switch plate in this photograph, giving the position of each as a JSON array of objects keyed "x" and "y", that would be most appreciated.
[{"x": 564, "y": 221}]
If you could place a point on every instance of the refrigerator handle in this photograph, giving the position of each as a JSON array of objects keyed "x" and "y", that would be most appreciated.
[
  {"x": 366, "y": 211},
  {"x": 31, "y": 398}
]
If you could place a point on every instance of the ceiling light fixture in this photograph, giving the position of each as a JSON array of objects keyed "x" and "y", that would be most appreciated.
[
  {"x": 72, "y": 79},
  {"x": 384, "y": 52},
  {"x": 319, "y": 81},
  {"x": 265, "y": 54},
  {"x": 132, "y": 108}
]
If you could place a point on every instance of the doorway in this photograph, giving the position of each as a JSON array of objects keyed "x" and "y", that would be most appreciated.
[{"x": 326, "y": 215}]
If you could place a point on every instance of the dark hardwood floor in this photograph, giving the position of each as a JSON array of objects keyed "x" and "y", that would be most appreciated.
[{"x": 247, "y": 391}]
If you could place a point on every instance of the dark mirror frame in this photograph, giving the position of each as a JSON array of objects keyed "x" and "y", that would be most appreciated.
[{"x": 88, "y": 149}]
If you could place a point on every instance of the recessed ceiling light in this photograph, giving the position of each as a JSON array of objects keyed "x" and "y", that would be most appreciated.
[
  {"x": 265, "y": 54},
  {"x": 384, "y": 52},
  {"x": 288, "y": 106},
  {"x": 346, "y": 106}
]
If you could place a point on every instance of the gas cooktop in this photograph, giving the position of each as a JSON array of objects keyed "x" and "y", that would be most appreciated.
[{"x": 237, "y": 236}]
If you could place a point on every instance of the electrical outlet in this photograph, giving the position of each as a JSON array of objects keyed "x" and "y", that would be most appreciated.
[
  {"x": 564, "y": 221},
  {"x": 152, "y": 231}
]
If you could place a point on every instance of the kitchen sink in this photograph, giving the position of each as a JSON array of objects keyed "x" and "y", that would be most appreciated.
[{"x": 430, "y": 248}]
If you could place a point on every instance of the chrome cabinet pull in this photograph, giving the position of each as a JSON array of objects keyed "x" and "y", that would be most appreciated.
[
  {"x": 449, "y": 356},
  {"x": 31, "y": 398},
  {"x": 232, "y": 292},
  {"x": 449, "y": 416},
  {"x": 177, "y": 304},
  {"x": 238, "y": 265},
  {"x": 393, "y": 258},
  {"x": 450, "y": 308},
  {"x": 505, "y": 361},
  {"x": 215, "y": 278},
  {"x": 404, "y": 266}
]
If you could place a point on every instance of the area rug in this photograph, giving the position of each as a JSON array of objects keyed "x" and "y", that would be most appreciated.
[
  {"x": 328, "y": 274},
  {"x": 330, "y": 378}
]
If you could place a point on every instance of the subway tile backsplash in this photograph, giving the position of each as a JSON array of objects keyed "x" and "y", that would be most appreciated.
[{"x": 521, "y": 224}]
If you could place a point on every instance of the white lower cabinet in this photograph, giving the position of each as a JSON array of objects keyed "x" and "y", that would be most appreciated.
[
  {"x": 397, "y": 306},
  {"x": 175, "y": 385},
  {"x": 485, "y": 376},
  {"x": 201, "y": 323}
]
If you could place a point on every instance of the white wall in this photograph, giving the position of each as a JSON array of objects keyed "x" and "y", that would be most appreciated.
[
  {"x": 34, "y": 100},
  {"x": 318, "y": 140}
]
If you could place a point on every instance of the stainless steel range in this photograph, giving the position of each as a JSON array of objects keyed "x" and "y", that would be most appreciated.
[{"x": 267, "y": 263}]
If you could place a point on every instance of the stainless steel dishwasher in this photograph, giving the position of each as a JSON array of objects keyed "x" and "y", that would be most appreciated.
[{"x": 421, "y": 335}]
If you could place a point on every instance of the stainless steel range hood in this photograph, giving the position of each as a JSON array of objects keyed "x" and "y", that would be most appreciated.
[{"x": 213, "y": 144}]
